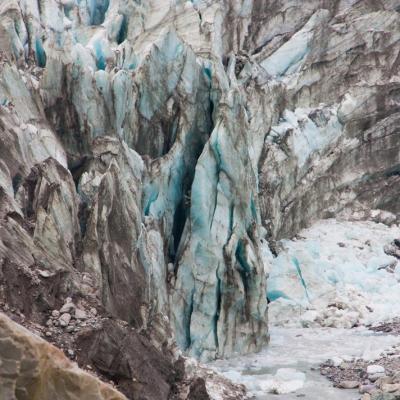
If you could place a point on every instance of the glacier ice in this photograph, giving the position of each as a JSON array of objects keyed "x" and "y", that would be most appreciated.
[
  {"x": 288, "y": 58},
  {"x": 341, "y": 262}
]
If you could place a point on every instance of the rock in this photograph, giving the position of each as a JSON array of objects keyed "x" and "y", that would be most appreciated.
[
  {"x": 383, "y": 380},
  {"x": 56, "y": 378},
  {"x": 67, "y": 308},
  {"x": 64, "y": 319},
  {"x": 335, "y": 361},
  {"x": 204, "y": 383},
  {"x": 70, "y": 353},
  {"x": 93, "y": 311},
  {"x": 70, "y": 329},
  {"x": 48, "y": 334},
  {"x": 138, "y": 361},
  {"x": 44, "y": 274},
  {"x": 396, "y": 377},
  {"x": 198, "y": 390},
  {"x": 349, "y": 384},
  {"x": 384, "y": 396},
  {"x": 367, "y": 388},
  {"x": 375, "y": 369},
  {"x": 80, "y": 314},
  {"x": 366, "y": 396},
  {"x": 390, "y": 388},
  {"x": 375, "y": 377},
  {"x": 49, "y": 322},
  {"x": 55, "y": 313}
]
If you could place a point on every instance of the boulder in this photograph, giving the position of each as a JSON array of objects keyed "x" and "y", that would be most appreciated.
[{"x": 33, "y": 369}]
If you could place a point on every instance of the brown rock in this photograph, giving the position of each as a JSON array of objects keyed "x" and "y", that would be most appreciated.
[
  {"x": 198, "y": 390},
  {"x": 33, "y": 369},
  {"x": 119, "y": 352},
  {"x": 349, "y": 384},
  {"x": 390, "y": 388}
]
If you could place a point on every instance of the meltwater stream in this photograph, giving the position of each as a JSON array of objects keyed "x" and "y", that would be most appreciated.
[{"x": 297, "y": 353}]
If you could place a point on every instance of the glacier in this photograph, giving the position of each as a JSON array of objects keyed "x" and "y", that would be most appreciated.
[{"x": 197, "y": 171}]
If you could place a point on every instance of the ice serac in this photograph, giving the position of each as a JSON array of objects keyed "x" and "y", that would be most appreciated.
[{"x": 221, "y": 280}]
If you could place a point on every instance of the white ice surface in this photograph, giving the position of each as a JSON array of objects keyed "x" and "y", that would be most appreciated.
[{"x": 335, "y": 262}]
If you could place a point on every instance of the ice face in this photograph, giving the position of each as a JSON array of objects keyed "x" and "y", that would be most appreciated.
[
  {"x": 222, "y": 218},
  {"x": 288, "y": 58},
  {"x": 306, "y": 136}
]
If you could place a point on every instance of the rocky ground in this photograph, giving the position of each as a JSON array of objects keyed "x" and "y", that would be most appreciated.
[
  {"x": 113, "y": 352},
  {"x": 289, "y": 368},
  {"x": 391, "y": 327},
  {"x": 62, "y": 328},
  {"x": 378, "y": 379}
]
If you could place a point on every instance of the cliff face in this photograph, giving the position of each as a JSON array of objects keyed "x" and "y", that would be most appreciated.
[{"x": 150, "y": 151}]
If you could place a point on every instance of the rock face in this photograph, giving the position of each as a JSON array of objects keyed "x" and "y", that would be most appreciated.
[
  {"x": 152, "y": 152},
  {"x": 33, "y": 369},
  {"x": 119, "y": 352}
]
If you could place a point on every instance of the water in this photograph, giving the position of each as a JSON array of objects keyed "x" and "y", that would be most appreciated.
[{"x": 303, "y": 350}]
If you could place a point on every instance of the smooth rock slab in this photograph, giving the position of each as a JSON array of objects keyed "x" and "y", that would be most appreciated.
[
  {"x": 391, "y": 388},
  {"x": 33, "y": 369},
  {"x": 349, "y": 384}
]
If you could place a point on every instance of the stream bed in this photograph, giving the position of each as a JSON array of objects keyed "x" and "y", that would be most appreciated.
[{"x": 291, "y": 362}]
